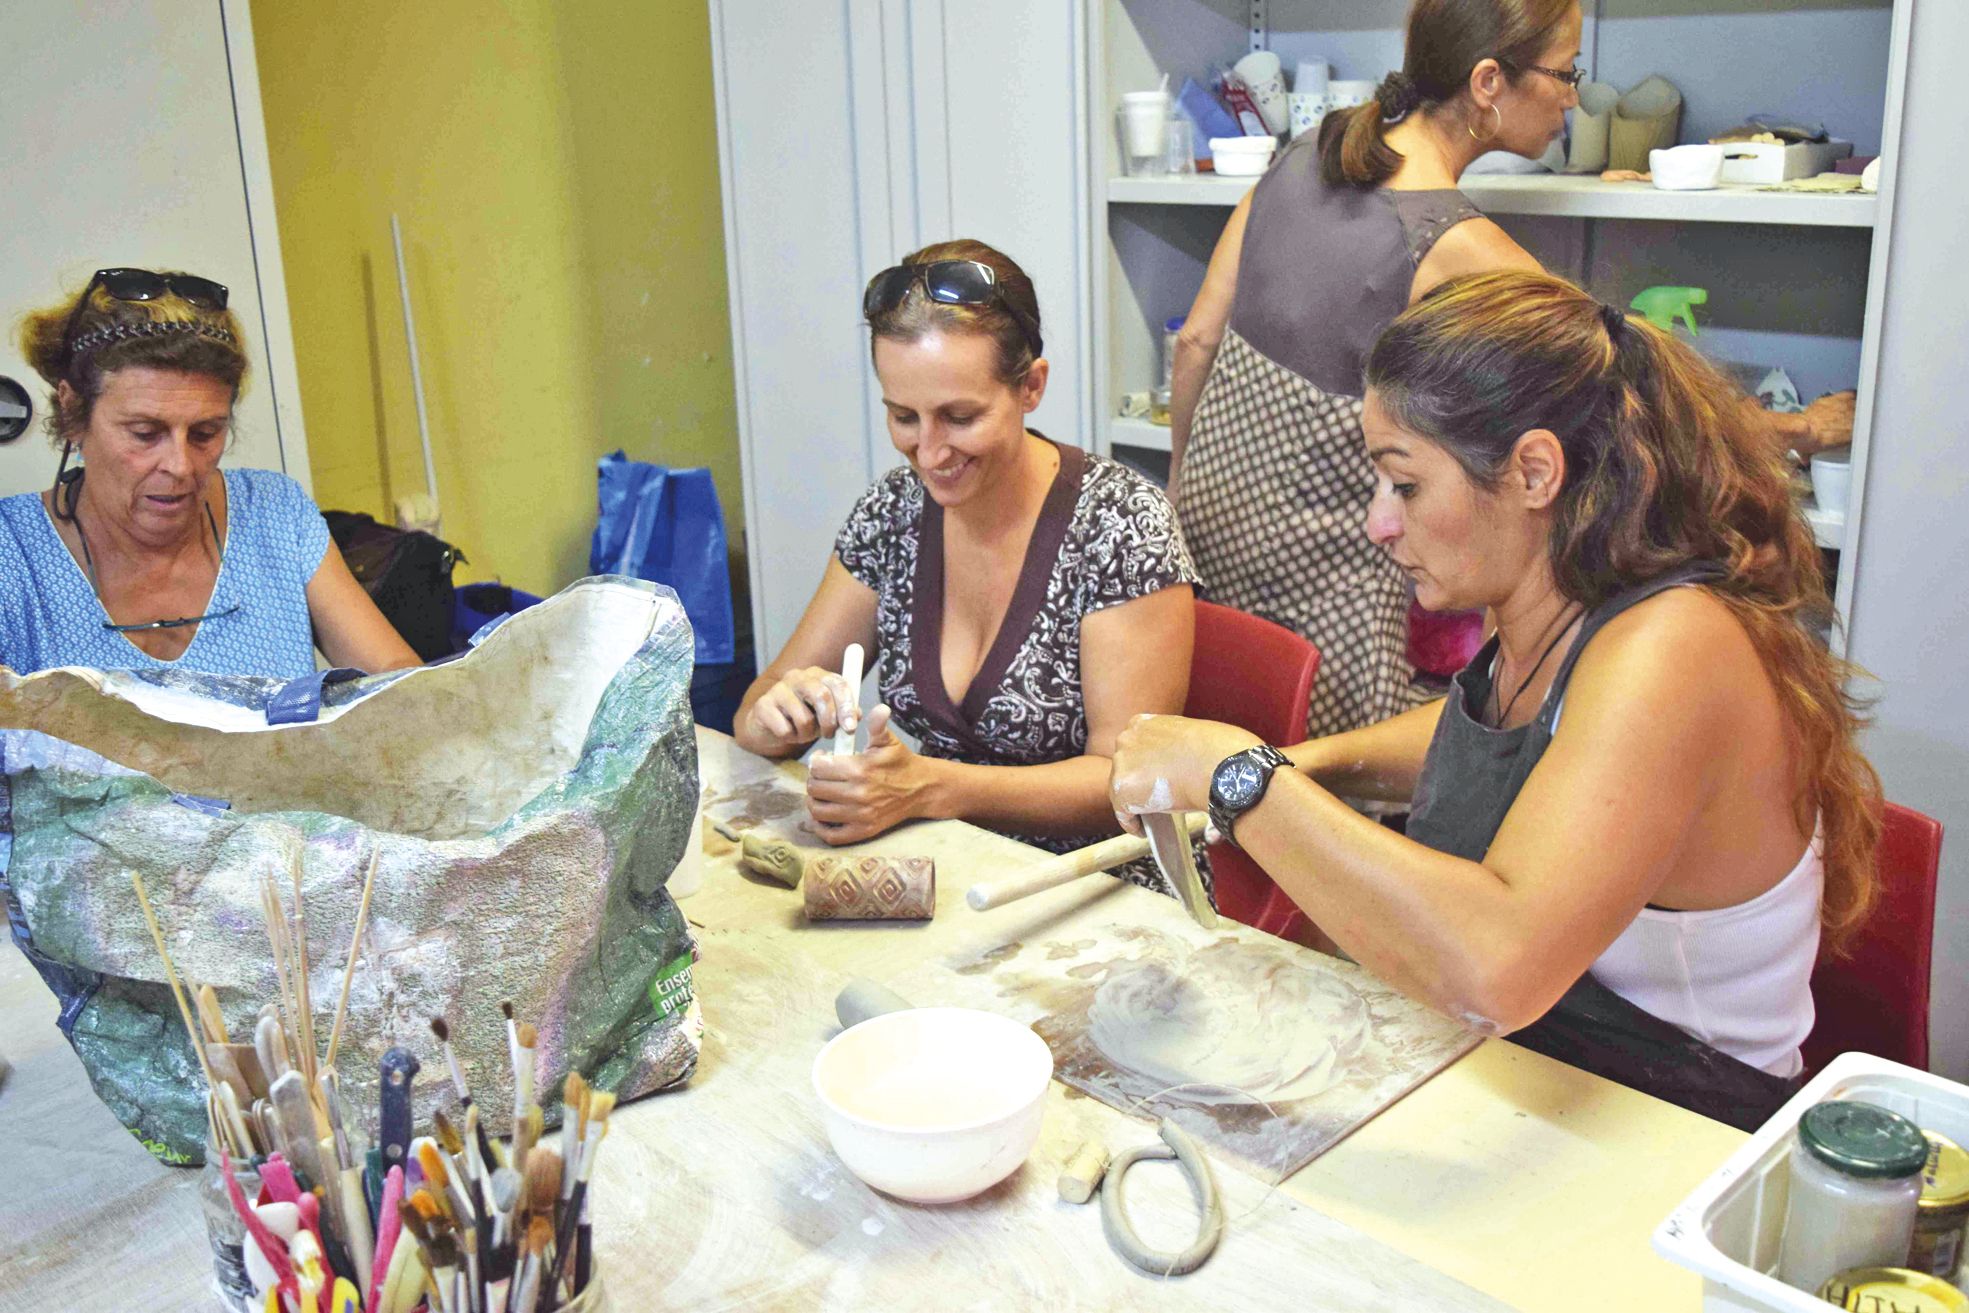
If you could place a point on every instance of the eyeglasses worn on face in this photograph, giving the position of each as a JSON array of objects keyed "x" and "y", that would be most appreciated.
[
  {"x": 947, "y": 282},
  {"x": 143, "y": 285},
  {"x": 1572, "y": 77}
]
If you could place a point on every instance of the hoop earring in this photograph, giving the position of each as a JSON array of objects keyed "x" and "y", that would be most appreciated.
[{"x": 1494, "y": 130}]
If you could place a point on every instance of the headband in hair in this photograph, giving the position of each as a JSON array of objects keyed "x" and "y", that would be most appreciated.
[
  {"x": 96, "y": 339},
  {"x": 1397, "y": 95}
]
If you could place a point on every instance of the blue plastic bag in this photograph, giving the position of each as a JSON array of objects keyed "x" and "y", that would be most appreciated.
[{"x": 665, "y": 525}]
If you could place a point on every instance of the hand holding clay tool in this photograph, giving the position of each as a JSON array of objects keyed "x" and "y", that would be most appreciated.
[
  {"x": 850, "y": 716},
  {"x": 1169, "y": 840},
  {"x": 1068, "y": 867}
]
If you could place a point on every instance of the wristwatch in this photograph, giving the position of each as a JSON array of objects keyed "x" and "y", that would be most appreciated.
[{"x": 1239, "y": 781}]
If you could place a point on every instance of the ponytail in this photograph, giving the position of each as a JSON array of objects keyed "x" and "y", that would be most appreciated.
[{"x": 1446, "y": 40}]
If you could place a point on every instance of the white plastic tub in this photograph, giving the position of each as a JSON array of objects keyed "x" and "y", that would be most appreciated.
[{"x": 1729, "y": 1228}]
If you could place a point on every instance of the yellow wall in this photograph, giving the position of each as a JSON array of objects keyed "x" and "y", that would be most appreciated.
[{"x": 555, "y": 169}]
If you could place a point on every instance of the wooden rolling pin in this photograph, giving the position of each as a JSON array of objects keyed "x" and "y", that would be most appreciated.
[{"x": 1067, "y": 867}]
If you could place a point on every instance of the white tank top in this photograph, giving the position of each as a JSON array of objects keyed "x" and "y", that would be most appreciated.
[{"x": 1737, "y": 978}]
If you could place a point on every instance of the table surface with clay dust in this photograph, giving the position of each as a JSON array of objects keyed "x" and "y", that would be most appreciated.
[{"x": 1506, "y": 1180}]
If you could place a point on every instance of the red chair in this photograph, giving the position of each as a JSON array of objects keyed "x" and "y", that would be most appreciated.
[
  {"x": 1876, "y": 998},
  {"x": 1258, "y": 676}
]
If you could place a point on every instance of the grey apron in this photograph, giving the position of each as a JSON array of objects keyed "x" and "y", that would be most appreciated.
[{"x": 1470, "y": 779}]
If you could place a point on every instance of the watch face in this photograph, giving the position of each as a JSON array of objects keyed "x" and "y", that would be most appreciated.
[{"x": 1238, "y": 781}]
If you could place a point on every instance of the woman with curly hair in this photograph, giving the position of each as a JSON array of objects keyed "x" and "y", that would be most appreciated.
[{"x": 1641, "y": 805}]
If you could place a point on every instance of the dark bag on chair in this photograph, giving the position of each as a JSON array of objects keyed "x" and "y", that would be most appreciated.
[{"x": 406, "y": 572}]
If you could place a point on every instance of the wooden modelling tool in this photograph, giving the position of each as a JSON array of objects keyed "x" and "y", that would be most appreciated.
[
  {"x": 1067, "y": 867},
  {"x": 776, "y": 859},
  {"x": 871, "y": 888}
]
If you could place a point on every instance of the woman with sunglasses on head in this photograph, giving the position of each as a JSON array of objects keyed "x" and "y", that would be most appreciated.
[
  {"x": 144, "y": 554},
  {"x": 1642, "y": 801},
  {"x": 1346, "y": 230},
  {"x": 1020, "y": 598}
]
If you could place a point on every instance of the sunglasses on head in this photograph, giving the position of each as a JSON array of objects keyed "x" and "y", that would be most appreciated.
[
  {"x": 143, "y": 285},
  {"x": 947, "y": 282}
]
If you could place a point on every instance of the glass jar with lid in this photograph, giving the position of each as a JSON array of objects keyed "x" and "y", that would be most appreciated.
[
  {"x": 1855, "y": 1173},
  {"x": 1944, "y": 1209}
]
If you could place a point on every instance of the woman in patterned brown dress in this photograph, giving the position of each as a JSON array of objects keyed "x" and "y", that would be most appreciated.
[
  {"x": 1269, "y": 474},
  {"x": 1021, "y": 599}
]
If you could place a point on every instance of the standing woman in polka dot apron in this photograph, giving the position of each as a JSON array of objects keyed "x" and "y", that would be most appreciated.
[
  {"x": 1269, "y": 474},
  {"x": 144, "y": 555}
]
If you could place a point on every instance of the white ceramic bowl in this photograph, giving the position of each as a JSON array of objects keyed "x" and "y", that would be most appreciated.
[
  {"x": 1242, "y": 157},
  {"x": 1686, "y": 168},
  {"x": 1832, "y": 478},
  {"x": 933, "y": 1105}
]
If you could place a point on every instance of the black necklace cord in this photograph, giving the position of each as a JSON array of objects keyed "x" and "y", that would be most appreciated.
[{"x": 1538, "y": 666}]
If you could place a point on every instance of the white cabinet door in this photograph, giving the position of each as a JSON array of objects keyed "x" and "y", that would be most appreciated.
[
  {"x": 850, "y": 134},
  {"x": 119, "y": 146}
]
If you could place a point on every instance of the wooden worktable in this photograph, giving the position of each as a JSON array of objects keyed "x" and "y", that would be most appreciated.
[{"x": 1508, "y": 1180}]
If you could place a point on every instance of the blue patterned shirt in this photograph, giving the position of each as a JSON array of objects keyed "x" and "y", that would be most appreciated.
[{"x": 275, "y": 541}]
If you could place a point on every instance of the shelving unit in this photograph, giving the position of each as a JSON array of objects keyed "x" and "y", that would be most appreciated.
[
  {"x": 1564, "y": 196},
  {"x": 1807, "y": 266}
]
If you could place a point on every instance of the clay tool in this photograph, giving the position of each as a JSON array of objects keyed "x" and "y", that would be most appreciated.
[
  {"x": 334, "y": 1254},
  {"x": 284, "y": 1220},
  {"x": 177, "y": 989},
  {"x": 207, "y": 1001},
  {"x": 271, "y": 1247},
  {"x": 305, "y": 1251},
  {"x": 230, "y": 1112},
  {"x": 764, "y": 855},
  {"x": 870, "y": 888},
  {"x": 1083, "y": 1172},
  {"x": 1176, "y": 1144},
  {"x": 285, "y": 1005},
  {"x": 850, "y": 717},
  {"x": 399, "y": 1069},
  {"x": 1067, "y": 867},
  {"x": 270, "y": 1048},
  {"x": 245, "y": 1059},
  {"x": 295, "y": 1112},
  {"x": 403, "y": 1284},
  {"x": 219, "y": 1059},
  {"x": 862, "y": 998},
  {"x": 343, "y": 1299},
  {"x": 1169, "y": 840},
  {"x": 349, "y": 971},
  {"x": 310, "y": 1055},
  {"x": 354, "y": 1214},
  {"x": 388, "y": 1226}
]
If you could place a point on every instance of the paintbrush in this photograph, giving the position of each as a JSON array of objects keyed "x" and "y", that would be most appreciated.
[
  {"x": 539, "y": 1235},
  {"x": 441, "y": 1174},
  {"x": 599, "y": 1107},
  {"x": 539, "y": 1189},
  {"x": 349, "y": 971},
  {"x": 574, "y": 1103},
  {"x": 442, "y": 1029},
  {"x": 426, "y": 1227},
  {"x": 506, "y": 1185},
  {"x": 177, "y": 992},
  {"x": 476, "y": 1185}
]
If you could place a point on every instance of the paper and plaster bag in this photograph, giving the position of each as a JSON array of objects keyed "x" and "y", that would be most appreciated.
[{"x": 527, "y": 803}]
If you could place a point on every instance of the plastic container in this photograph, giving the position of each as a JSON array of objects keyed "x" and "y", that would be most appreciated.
[
  {"x": 1143, "y": 124},
  {"x": 1242, "y": 157},
  {"x": 1729, "y": 1227},
  {"x": 1855, "y": 1181},
  {"x": 1686, "y": 168},
  {"x": 1165, "y": 382},
  {"x": 1774, "y": 161}
]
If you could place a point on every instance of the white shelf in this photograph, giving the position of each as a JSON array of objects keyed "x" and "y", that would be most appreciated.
[
  {"x": 1828, "y": 527},
  {"x": 1560, "y": 194},
  {"x": 1141, "y": 434}
]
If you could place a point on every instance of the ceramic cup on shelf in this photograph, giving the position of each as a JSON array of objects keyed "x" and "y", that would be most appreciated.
[
  {"x": 1307, "y": 111},
  {"x": 1832, "y": 478},
  {"x": 1143, "y": 124},
  {"x": 1347, "y": 93},
  {"x": 1264, "y": 78}
]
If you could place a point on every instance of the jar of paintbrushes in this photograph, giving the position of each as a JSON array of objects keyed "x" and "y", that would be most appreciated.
[{"x": 306, "y": 1215}]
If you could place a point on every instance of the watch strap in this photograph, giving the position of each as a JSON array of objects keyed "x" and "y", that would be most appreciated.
[{"x": 1224, "y": 816}]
